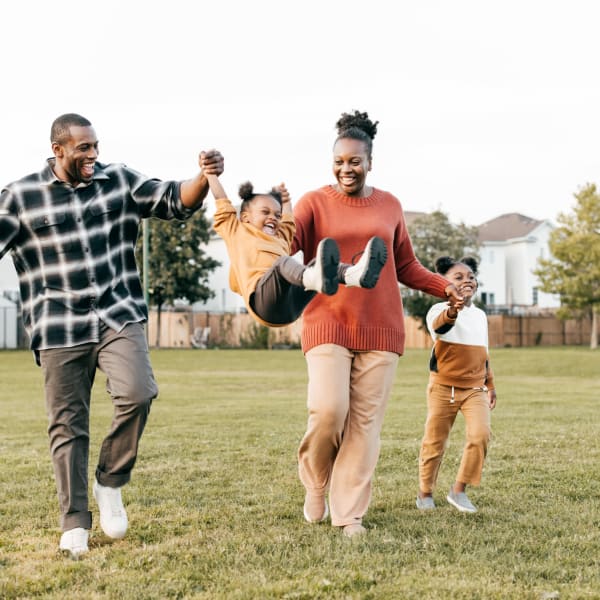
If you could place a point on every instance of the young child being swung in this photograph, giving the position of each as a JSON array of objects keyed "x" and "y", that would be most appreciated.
[
  {"x": 461, "y": 379},
  {"x": 276, "y": 287}
]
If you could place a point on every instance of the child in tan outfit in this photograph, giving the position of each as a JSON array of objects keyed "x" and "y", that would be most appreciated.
[
  {"x": 461, "y": 380},
  {"x": 275, "y": 287}
]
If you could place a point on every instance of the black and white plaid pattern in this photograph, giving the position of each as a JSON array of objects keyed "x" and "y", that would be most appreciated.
[{"x": 73, "y": 249}]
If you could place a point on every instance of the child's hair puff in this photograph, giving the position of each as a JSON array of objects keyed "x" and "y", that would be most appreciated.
[
  {"x": 247, "y": 194},
  {"x": 246, "y": 191},
  {"x": 444, "y": 263}
]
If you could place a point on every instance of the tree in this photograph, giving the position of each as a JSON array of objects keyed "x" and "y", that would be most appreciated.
[
  {"x": 433, "y": 235},
  {"x": 573, "y": 271},
  {"x": 177, "y": 267}
]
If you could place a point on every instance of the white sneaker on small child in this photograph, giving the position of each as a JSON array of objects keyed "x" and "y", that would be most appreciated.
[
  {"x": 322, "y": 276},
  {"x": 365, "y": 273},
  {"x": 461, "y": 501}
]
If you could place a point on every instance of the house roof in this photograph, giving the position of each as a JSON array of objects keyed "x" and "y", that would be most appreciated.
[
  {"x": 411, "y": 215},
  {"x": 506, "y": 227}
]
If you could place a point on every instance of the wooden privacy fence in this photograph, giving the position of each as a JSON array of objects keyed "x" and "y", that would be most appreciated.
[
  {"x": 187, "y": 329},
  {"x": 547, "y": 330},
  {"x": 181, "y": 329}
]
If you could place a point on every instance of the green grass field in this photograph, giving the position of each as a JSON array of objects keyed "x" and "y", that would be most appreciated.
[{"x": 215, "y": 505}]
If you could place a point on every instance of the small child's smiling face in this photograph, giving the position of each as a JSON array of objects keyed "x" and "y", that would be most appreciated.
[
  {"x": 464, "y": 279},
  {"x": 264, "y": 213}
]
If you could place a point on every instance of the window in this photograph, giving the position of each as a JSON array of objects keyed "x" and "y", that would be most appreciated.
[
  {"x": 535, "y": 296},
  {"x": 488, "y": 298}
]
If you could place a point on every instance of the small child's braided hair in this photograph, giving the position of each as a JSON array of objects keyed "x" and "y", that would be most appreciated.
[
  {"x": 357, "y": 126},
  {"x": 444, "y": 263},
  {"x": 247, "y": 194}
]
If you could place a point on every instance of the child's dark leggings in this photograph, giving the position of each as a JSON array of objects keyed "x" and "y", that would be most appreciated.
[{"x": 280, "y": 297}]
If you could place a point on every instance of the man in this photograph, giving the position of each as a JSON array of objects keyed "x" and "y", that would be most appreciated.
[{"x": 71, "y": 230}]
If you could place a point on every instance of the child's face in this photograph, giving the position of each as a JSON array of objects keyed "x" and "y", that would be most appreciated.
[
  {"x": 264, "y": 213},
  {"x": 464, "y": 279}
]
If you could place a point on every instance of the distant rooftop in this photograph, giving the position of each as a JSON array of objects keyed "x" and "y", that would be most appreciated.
[
  {"x": 411, "y": 215},
  {"x": 506, "y": 227}
]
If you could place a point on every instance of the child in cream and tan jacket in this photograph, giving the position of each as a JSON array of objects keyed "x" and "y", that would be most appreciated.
[{"x": 461, "y": 379}]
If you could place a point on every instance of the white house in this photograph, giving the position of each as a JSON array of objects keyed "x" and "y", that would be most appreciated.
[
  {"x": 9, "y": 281},
  {"x": 9, "y": 290},
  {"x": 8, "y": 323},
  {"x": 510, "y": 246}
]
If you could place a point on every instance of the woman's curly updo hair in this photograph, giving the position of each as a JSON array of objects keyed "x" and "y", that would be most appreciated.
[
  {"x": 357, "y": 126},
  {"x": 247, "y": 194},
  {"x": 444, "y": 263}
]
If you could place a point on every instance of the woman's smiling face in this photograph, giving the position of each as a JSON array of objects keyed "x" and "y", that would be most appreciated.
[{"x": 351, "y": 163}]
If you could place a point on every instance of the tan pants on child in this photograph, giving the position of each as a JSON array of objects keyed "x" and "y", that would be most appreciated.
[
  {"x": 443, "y": 404},
  {"x": 347, "y": 397}
]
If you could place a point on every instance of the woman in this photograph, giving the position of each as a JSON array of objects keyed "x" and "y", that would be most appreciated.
[{"x": 352, "y": 340}]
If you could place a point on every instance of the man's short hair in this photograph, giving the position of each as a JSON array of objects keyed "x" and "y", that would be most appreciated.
[{"x": 59, "y": 132}]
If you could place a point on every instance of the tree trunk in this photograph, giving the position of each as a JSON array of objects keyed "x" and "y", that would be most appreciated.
[{"x": 594, "y": 335}]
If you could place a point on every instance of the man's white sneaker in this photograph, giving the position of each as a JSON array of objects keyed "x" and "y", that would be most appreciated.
[
  {"x": 74, "y": 542},
  {"x": 365, "y": 273},
  {"x": 322, "y": 275},
  {"x": 113, "y": 518}
]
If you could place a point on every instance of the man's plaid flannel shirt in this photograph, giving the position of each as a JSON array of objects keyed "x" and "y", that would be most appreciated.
[{"x": 73, "y": 249}]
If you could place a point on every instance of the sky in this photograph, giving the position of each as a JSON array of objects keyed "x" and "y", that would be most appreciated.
[{"x": 484, "y": 107}]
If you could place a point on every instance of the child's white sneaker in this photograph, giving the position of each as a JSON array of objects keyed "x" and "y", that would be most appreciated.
[
  {"x": 461, "y": 501},
  {"x": 425, "y": 503},
  {"x": 365, "y": 273},
  {"x": 322, "y": 275}
]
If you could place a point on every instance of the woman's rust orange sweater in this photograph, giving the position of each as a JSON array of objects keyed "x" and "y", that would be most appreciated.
[{"x": 356, "y": 318}]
